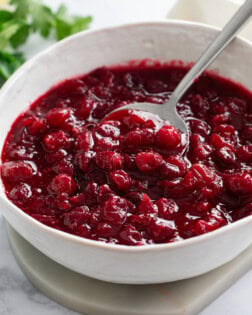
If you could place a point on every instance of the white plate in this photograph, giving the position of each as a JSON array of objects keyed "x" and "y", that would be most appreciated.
[{"x": 94, "y": 297}]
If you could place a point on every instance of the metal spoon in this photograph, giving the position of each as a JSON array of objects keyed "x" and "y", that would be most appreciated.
[{"x": 168, "y": 110}]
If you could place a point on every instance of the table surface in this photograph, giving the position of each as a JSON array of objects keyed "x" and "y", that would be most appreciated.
[{"x": 17, "y": 295}]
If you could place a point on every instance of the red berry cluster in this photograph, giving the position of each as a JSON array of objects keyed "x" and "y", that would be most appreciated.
[{"x": 132, "y": 178}]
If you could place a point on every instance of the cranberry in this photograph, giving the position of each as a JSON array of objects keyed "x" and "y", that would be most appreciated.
[
  {"x": 17, "y": 171},
  {"x": 206, "y": 194},
  {"x": 120, "y": 180},
  {"x": 201, "y": 227},
  {"x": 141, "y": 221},
  {"x": 161, "y": 230},
  {"x": 133, "y": 120},
  {"x": 56, "y": 140},
  {"x": 106, "y": 144},
  {"x": 247, "y": 132},
  {"x": 225, "y": 156},
  {"x": 64, "y": 166},
  {"x": 38, "y": 127},
  {"x": 61, "y": 203},
  {"x": 96, "y": 174},
  {"x": 239, "y": 183},
  {"x": 200, "y": 105},
  {"x": 155, "y": 86},
  {"x": 27, "y": 120},
  {"x": 82, "y": 159},
  {"x": 201, "y": 208},
  {"x": 62, "y": 183},
  {"x": 236, "y": 108},
  {"x": 76, "y": 217},
  {"x": 109, "y": 129},
  {"x": 134, "y": 196},
  {"x": 242, "y": 212},
  {"x": 172, "y": 188},
  {"x": 104, "y": 75},
  {"x": 168, "y": 137},
  {"x": 22, "y": 153},
  {"x": 200, "y": 175},
  {"x": 195, "y": 140},
  {"x": 95, "y": 217},
  {"x": 132, "y": 81},
  {"x": 73, "y": 87},
  {"x": 133, "y": 139},
  {"x": 57, "y": 116},
  {"x": 212, "y": 222},
  {"x": 21, "y": 193},
  {"x": 201, "y": 152},
  {"x": 200, "y": 127},
  {"x": 129, "y": 161},
  {"x": 167, "y": 208},
  {"x": 86, "y": 107},
  {"x": 221, "y": 119},
  {"x": 245, "y": 153},
  {"x": 146, "y": 206},
  {"x": 217, "y": 141},
  {"x": 140, "y": 137},
  {"x": 105, "y": 229},
  {"x": 56, "y": 156},
  {"x": 130, "y": 235},
  {"x": 148, "y": 161},
  {"x": 85, "y": 141},
  {"x": 225, "y": 130},
  {"x": 91, "y": 193},
  {"x": 84, "y": 230},
  {"x": 115, "y": 210},
  {"x": 174, "y": 166},
  {"x": 109, "y": 160},
  {"x": 102, "y": 108},
  {"x": 105, "y": 192}
]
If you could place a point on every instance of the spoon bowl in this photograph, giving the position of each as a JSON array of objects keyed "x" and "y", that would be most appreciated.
[{"x": 171, "y": 115}]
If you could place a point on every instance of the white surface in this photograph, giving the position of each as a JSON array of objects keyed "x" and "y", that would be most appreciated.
[
  {"x": 17, "y": 296},
  {"x": 205, "y": 12},
  {"x": 95, "y": 297}
]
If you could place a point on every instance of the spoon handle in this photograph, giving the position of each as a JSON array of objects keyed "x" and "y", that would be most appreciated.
[{"x": 220, "y": 42}]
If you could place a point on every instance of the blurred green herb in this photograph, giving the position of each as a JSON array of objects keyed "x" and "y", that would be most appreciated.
[{"x": 32, "y": 16}]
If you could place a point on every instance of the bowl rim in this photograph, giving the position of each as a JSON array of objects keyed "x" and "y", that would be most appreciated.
[{"x": 94, "y": 243}]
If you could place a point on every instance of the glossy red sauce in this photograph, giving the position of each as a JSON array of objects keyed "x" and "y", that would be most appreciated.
[{"x": 127, "y": 179}]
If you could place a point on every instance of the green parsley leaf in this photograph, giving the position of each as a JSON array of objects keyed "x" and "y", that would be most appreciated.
[
  {"x": 62, "y": 12},
  {"x": 8, "y": 64},
  {"x": 22, "y": 8},
  {"x": 62, "y": 28},
  {"x": 14, "y": 33},
  {"x": 66, "y": 25},
  {"x": 80, "y": 23},
  {"x": 7, "y": 31},
  {"x": 5, "y": 16},
  {"x": 21, "y": 35},
  {"x": 25, "y": 17},
  {"x": 42, "y": 18}
]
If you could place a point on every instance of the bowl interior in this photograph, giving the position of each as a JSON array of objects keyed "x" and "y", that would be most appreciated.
[{"x": 165, "y": 41}]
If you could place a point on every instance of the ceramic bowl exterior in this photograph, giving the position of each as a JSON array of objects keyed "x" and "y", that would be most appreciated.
[{"x": 77, "y": 55}]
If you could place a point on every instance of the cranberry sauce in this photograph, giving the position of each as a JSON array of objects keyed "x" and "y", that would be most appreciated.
[{"x": 130, "y": 179}]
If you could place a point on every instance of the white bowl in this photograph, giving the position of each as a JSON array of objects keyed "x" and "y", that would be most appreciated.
[{"x": 78, "y": 55}]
